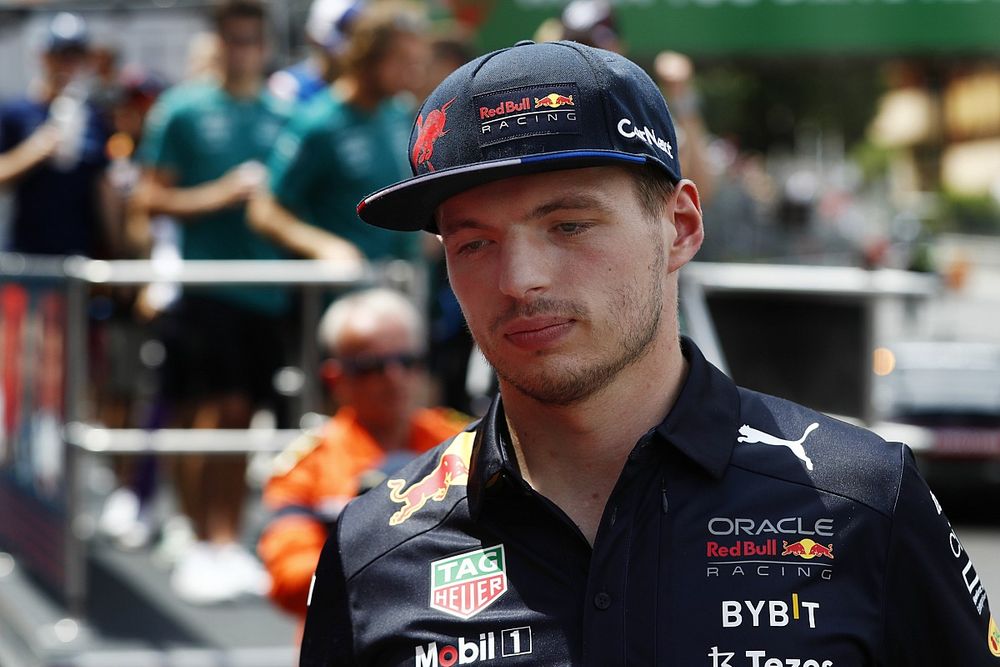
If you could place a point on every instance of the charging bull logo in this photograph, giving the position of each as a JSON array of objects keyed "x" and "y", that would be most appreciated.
[
  {"x": 452, "y": 470},
  {"x": 554, "y": 101},
  {"x": 429, "y": 130},
  {"x": 807, "y": 549}
]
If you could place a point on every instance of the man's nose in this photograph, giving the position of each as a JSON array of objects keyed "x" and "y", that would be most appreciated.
[{"x": 525, "y": 267}]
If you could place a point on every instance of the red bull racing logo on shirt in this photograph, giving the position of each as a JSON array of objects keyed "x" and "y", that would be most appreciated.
[
  {"x": 807, "y": 549},
  {"x": 465, "y": 584},
  {"x": 994, "y": 638},
  {"x": 743, "y": 547},
  {"x": 452, "y": 470}
]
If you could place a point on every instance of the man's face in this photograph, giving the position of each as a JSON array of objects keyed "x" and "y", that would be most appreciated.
[
  {"x": 562, "y": 277},
  {"x": 404, "y": 65},
  {"x": 244, "y": 47},
  {"x": 378, "y": 378},
  {"x": 63, "y": 65}
]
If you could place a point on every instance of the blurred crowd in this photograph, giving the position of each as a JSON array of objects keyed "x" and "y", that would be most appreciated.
[
  {"x": 108, "y": 160},
  {"x": 236, "y": 162}
]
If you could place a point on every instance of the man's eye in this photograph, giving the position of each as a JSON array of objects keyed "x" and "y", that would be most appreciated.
[
  {"x": 571, "y": 228},
  {"x": 472, "y": 246}
]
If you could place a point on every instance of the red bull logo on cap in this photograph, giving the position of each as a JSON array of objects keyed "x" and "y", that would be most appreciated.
[
  {"x": 452, "y": 470},
  {"x": 554, "y": 101},
  {"x": 429, "y": 130},
  {"x": 807, "y": 549},
  {"x": 527, "y": 113}
]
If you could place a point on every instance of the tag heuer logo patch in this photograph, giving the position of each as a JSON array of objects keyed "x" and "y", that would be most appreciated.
[{"x": 465, "y": 584}]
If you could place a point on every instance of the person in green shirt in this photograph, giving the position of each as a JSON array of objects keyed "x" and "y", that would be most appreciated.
[
  {"x": 345, "y": 142},
  {"x": 203, "y": 150}
]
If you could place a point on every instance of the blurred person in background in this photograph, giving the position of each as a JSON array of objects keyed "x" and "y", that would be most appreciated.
[
  {"x": 675, "y": 75},
  {"x": 327, "y": 28},
  {"x": 450, "y": 342},
  {"x": 594, "y": 23},
  {"x": 124, "y": 385},
  {"x": 375, "y": 340},
  {"x": 105, "y": 84},
  {"x": 204, "y": 147},
  {"x": 591, "y": 22},
  {"x": 346, "y": 141},
  {"x": 52, "y": 152}
]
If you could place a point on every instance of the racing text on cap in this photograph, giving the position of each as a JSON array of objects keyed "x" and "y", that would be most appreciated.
[{"x": 527, "y": 111}]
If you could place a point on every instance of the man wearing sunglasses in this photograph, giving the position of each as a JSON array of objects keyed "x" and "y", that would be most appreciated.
[{"x": 375, "y": 340}]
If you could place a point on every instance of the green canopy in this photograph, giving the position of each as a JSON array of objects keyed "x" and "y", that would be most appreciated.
[{"x": 775, "y": 27}]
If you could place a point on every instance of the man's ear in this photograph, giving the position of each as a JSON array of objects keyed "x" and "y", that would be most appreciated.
[{"x": 685, "y": 212}]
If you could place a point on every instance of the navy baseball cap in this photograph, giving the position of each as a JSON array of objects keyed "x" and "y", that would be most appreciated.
[
  {"x": 523, "y": 110},
  {"x": 67, "y": 32}
]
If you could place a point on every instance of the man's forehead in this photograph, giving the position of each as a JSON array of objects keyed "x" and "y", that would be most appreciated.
[{"x": 532, "y": 195}]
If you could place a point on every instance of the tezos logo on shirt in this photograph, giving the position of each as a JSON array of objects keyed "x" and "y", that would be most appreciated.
[{"x": 465, "y": 584}]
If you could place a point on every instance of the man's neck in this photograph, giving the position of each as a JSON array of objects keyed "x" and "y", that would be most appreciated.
[
  {"x": 574, "y": 454},
  {"x": 242, "y": 87},
  {"x": 353, "y": 90},
  {"x": 391, "y": 435}
]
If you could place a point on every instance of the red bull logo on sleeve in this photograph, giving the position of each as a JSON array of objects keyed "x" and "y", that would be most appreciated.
[
  {"x": 452, "y": 470},
  {"x": 994, "y": 638},
  {"x": 807, "y": 549},
  {"x": 554, "y": 101}
]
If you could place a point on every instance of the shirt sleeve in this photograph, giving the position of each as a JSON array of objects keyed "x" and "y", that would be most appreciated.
[
  {"x": 328, "y": 639},
  {"x": 161, "y": 145},
  {"x": 936, "y": 611},
  {"x": 291, "y": 166}
]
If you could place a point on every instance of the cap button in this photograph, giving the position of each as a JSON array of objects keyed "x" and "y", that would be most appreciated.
[{"x": 524, "y": 42}]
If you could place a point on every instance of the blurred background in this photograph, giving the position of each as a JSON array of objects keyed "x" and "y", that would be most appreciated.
[{"x": 174, "y": 380}]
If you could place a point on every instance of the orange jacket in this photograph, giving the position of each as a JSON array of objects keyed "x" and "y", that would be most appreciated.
[{"x": 314, "y": 478}]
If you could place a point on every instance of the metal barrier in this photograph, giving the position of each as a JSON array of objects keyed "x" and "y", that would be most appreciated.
[{"x": 44, "y": 302}]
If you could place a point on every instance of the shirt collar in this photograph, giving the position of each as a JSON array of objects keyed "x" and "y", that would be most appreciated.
[
  {"x": 704, "y": 420},
  {"x": 702, "y": 425}
]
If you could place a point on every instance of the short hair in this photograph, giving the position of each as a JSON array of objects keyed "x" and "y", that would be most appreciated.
[
  {"x": 452, "y": 49},
  {"x": 653, "y": 187},
  {"x": 374, "y": 303},
  {"x": 373, "y": 31},
  {"x": 238, "y": 9}
]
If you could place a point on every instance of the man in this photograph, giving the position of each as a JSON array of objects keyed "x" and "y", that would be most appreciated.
[
  {"x": 204, "y": 146},
  {"x": 375, "y": 340},
  {"x": 347, "y": 142},
  {"x": 52, "y": 147},
  {"x": 622, "y": 502},
  {"x": 326, "y": 30}
]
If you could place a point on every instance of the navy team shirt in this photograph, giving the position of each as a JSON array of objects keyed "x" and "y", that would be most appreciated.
[
  {"x": 56, "y": 212},
  {"x": 743, "y": 531}
]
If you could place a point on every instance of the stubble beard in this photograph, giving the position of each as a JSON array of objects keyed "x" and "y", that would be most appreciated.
[{"x": 636, "y": 311}]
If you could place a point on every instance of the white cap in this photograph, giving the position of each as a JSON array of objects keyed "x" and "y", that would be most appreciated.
[{"x": 329, "y": 21}]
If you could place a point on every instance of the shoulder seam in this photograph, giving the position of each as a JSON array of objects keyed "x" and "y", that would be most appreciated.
[
  {"x": 813, "y": 486},
  {"x": 444, "y": 518}
]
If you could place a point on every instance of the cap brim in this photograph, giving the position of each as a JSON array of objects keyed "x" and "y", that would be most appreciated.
[{"x": 409, "y": 205}]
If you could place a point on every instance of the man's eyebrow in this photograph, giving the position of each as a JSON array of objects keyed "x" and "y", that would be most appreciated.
[
  {"x": 458, "y": 225},
  {"x": 569, "y": 202},
  {"x": 572, "y": 202}
]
